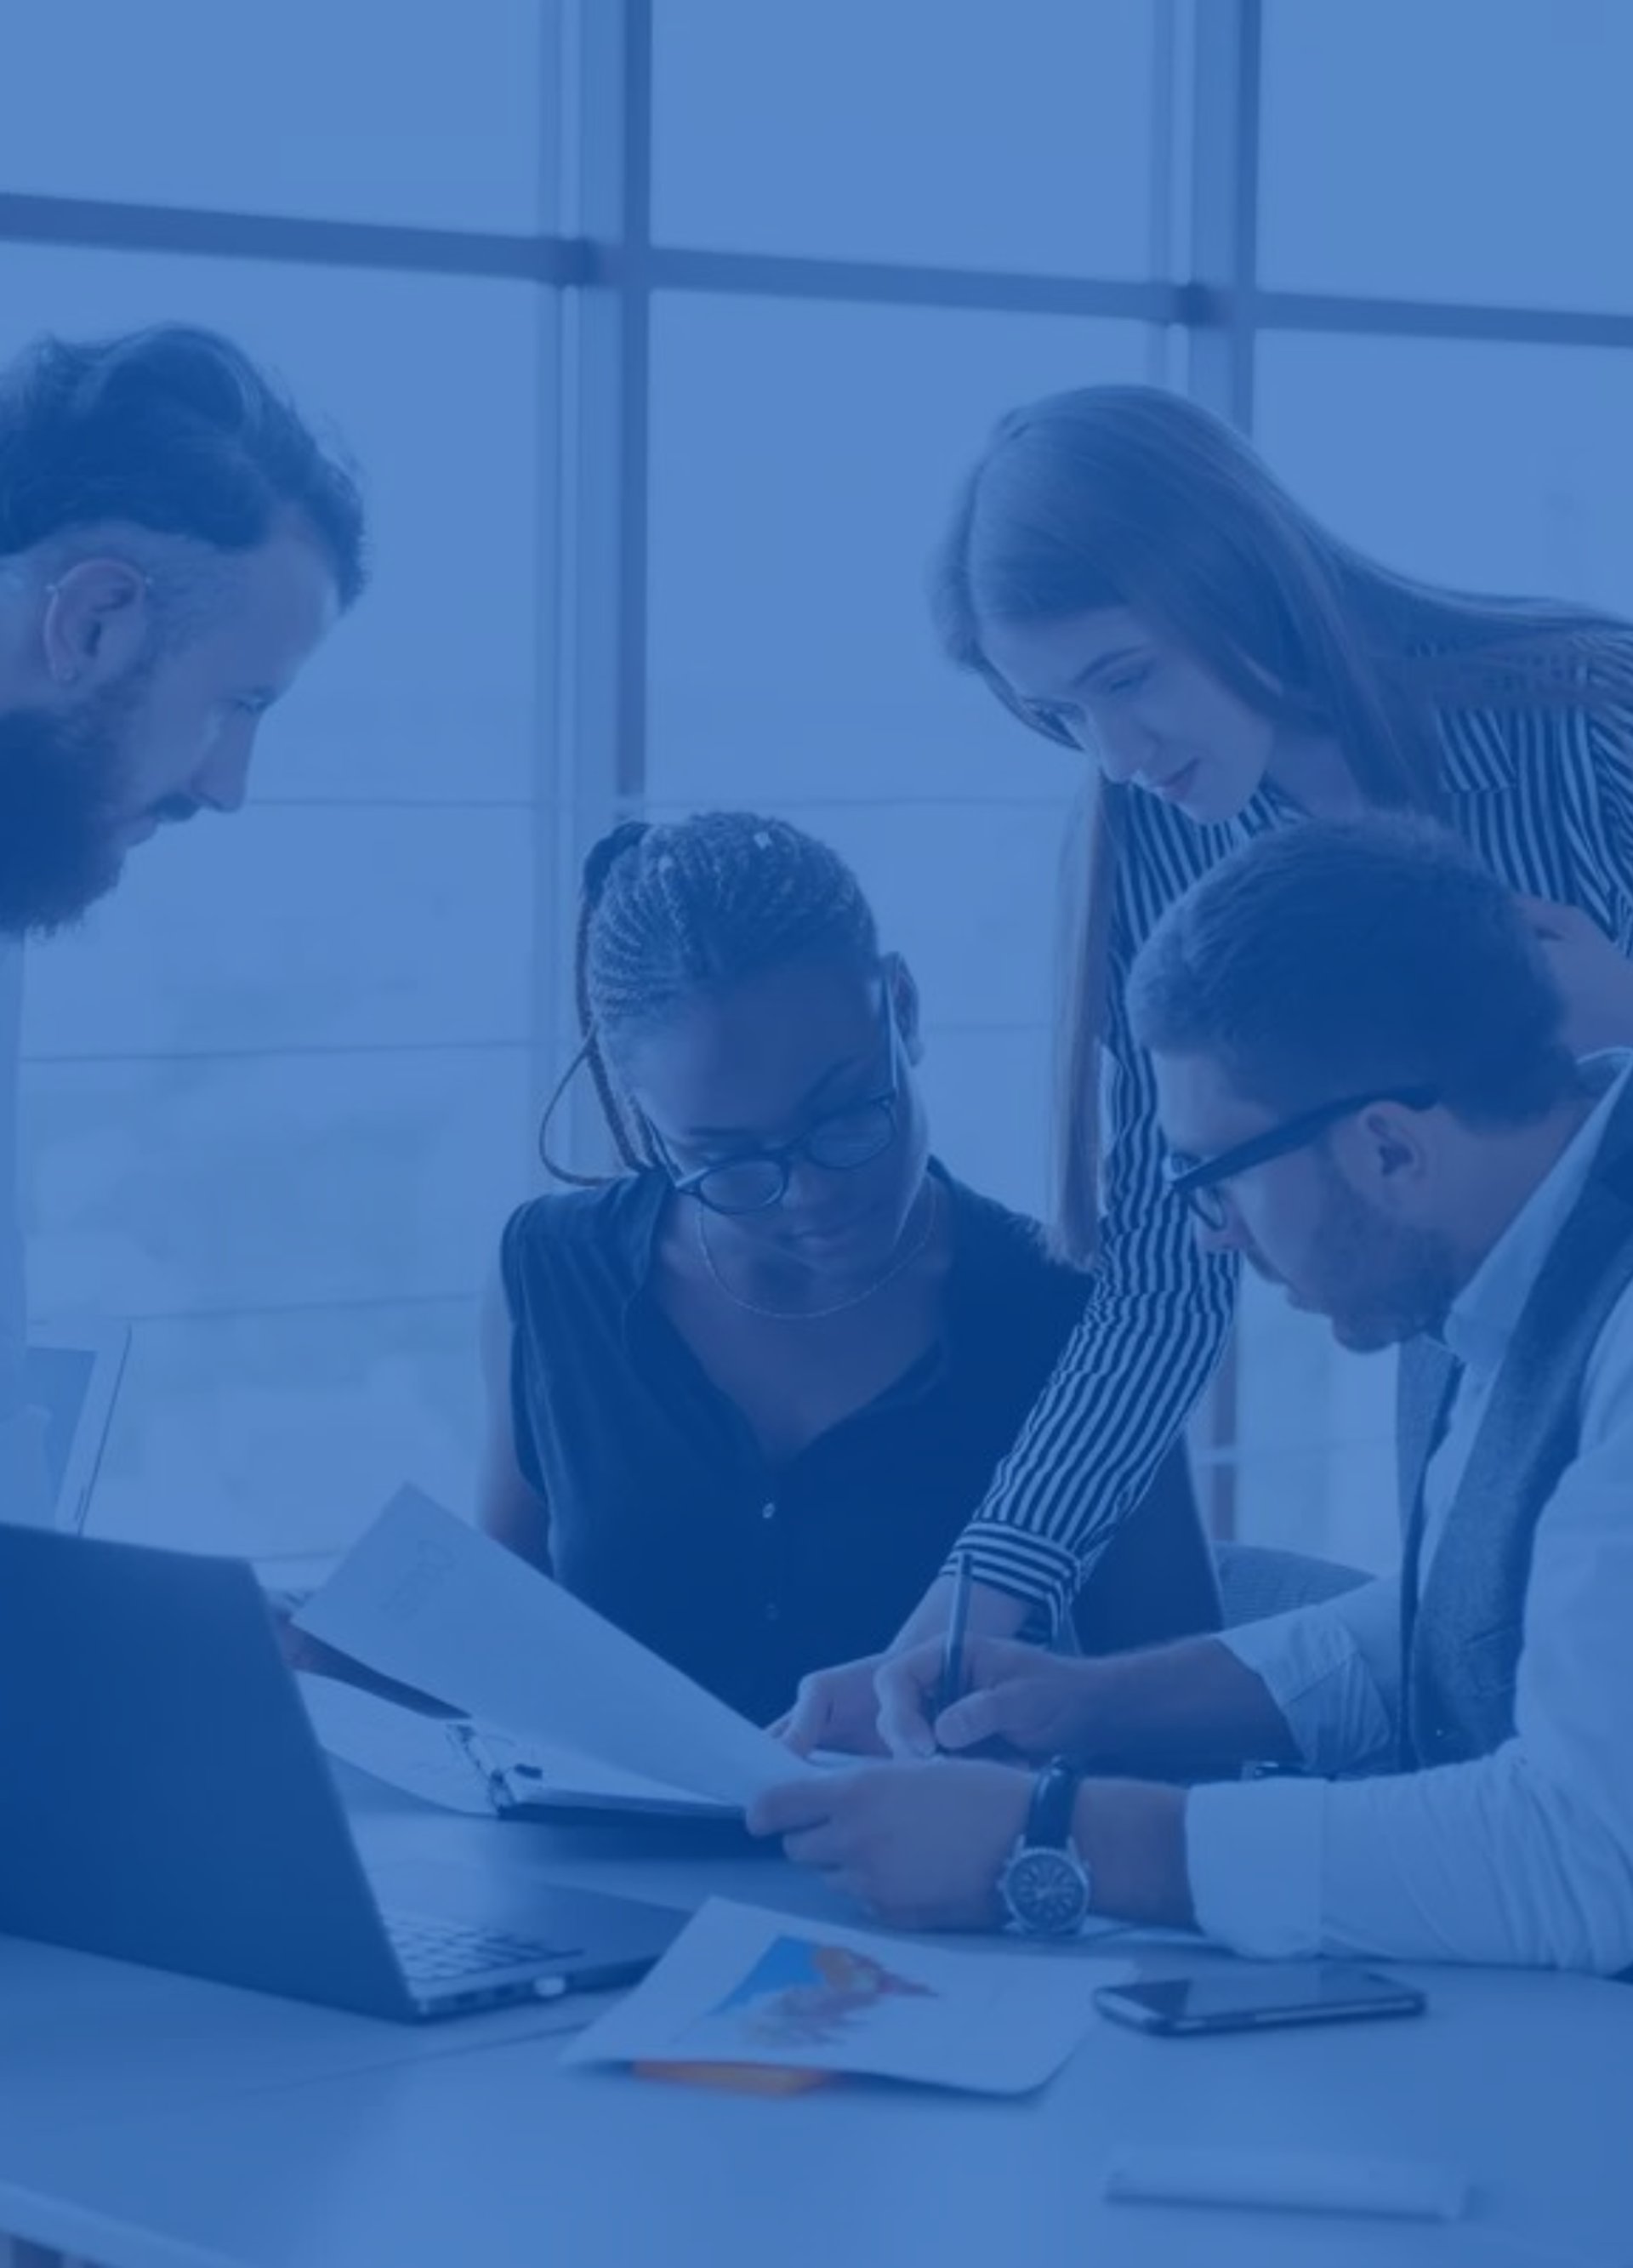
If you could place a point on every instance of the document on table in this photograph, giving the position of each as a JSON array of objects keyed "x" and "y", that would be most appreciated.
[
  {"x": 741, "y": 1985},
  {"x": 432, "y": 1602}
]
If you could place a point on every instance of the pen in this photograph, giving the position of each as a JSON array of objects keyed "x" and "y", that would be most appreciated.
[{"x": 951, "y": 1686}]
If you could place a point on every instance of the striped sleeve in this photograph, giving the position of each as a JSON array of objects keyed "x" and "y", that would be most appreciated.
[
  {"x": 1157, "y": 1314},
  {"x": 1610, "y": 738}
]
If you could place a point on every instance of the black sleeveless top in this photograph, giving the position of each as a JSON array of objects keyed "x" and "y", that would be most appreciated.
[{"x": 664, "y": 1514}]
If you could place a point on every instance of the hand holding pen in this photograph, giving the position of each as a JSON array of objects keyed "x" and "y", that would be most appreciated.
[
  {"x": 985, "y": 1697},
  {"x": 951, "y": 1687}
]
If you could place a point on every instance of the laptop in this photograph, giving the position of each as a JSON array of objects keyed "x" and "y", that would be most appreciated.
[
  {"x": 72, "y": 1372},
  {"x": 164, "y": 1799}
]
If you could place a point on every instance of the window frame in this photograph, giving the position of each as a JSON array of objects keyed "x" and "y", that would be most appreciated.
[{"x": 598, "y": 269}]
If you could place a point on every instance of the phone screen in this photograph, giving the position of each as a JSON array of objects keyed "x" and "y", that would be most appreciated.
[{"x": 1300, "y": 1991}]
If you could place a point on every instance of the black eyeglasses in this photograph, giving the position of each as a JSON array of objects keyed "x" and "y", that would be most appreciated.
[
  {"x": 756, "y": 1179},
  {"x": 1198, "y": 1180}
]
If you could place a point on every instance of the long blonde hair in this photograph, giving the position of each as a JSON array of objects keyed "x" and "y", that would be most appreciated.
[{"x": 1125, "y": 495}]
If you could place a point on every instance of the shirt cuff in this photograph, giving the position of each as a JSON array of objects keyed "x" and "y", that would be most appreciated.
[
  {"x": 1253, "y": 1856},
  {"x": 1309, "y": 1663},
  {"x": 1027, "y": 1567}
]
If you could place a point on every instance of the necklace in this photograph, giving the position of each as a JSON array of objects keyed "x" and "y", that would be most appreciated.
[{"x": 821, "y": 1315}]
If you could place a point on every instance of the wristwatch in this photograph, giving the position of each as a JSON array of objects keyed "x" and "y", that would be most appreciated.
[{"x": 1045, "y": 1886}]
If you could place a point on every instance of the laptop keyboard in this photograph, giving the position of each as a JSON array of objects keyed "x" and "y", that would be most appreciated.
[{"x": 433, "y": 1951}]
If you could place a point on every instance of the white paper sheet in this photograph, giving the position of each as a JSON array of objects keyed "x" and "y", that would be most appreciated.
[
  {"x": 434, "y": 1603},
  {"x": 742, "y": 1985}
]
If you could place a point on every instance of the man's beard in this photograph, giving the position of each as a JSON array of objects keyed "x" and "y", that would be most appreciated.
[
  {"x": 1382, "y": 1285},
  {"x": 60, "y": 807}
]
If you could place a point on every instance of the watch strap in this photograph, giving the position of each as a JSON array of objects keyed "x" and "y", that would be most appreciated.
[{"x": 1054, "y": 1798}]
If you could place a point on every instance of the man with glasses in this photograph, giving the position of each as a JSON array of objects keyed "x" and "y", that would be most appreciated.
[{"x": 1358, "y": 1055}]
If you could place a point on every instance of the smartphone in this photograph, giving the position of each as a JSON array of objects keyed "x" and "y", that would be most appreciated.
[{"x": 1248, "y": 1998}]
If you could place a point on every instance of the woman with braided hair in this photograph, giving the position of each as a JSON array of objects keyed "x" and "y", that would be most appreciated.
[{"x": 744, "y": 1394}]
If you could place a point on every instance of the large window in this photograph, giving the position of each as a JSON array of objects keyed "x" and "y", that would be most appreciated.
[
  {"x": 663, "y": 330},
  {"x": 1494, "y": 464},
  {"x": 800, "y": 467},
  {"x": 428, "y": 116},
  {"x": 910, "y": 132},
  {"x": 1468, "y": 152},
  {"x": 277, "y": 1092},
  {"x": 1442, "y": 370}
]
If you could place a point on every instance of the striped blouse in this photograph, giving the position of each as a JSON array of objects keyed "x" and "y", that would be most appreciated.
[{"x": 1544, "y": 796}]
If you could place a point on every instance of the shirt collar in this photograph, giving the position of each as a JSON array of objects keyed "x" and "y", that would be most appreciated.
[{"x": 1483, "y": 1317}]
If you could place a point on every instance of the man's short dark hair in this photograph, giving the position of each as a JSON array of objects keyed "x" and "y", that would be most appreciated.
[
  {"x": 1353, "y": 957},
  {"x": 172, "y": 429}
]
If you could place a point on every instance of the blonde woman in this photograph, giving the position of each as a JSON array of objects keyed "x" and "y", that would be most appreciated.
[{"x": 1129, "y": 579}]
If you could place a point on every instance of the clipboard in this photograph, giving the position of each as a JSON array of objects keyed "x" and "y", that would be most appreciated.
[
  {"x": 519, "y": 1786},
  {"x": 479, "y": 1769}
]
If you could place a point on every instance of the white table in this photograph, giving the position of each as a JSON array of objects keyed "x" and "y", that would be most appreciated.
[{"x": 148, "y": 2122}]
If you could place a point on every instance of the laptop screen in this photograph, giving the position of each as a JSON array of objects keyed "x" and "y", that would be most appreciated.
[
  {"x": 74, "y": 1379},
  {"x": 58, "y": 1380}
]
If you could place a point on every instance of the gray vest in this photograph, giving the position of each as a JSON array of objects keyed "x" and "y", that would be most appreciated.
[{"x": 1461, "y": 1640}]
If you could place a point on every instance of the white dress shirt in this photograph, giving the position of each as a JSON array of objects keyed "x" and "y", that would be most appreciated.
[{"x": 1524, "y": 1856}]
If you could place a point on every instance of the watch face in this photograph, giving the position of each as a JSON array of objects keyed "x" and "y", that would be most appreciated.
[{"x": 1047, "y": 1892}]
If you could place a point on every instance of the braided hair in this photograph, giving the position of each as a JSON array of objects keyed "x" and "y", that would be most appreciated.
[{"x": 667, "y": 912}]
